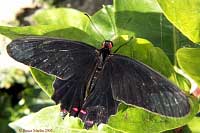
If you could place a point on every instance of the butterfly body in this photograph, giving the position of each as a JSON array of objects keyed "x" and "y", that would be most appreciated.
[
  {"x": 90, "y": 82},
  {"x": 103, "y": 53}
]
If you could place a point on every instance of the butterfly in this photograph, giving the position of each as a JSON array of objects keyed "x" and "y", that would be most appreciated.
[{"x": 90, "y": 83}]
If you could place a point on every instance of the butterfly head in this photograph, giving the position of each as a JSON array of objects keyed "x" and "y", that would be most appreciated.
[{"x": 107, "y": 44}]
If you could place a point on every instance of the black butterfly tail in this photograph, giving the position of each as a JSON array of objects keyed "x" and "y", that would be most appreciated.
[
  {"x": 98, "y": 109},
  {"x": 69, "y": 95}
]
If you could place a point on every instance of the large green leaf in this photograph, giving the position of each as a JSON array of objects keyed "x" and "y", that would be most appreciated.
[
  {"x": 61, "y": 17},
  {"x": 185, "y": 15},
  {"x": 102, "y": 26},
  {"x": 189, "y": 60},
  {"x": 193, "y": 125},
  {"x": 48, "y": 30},
  {"x": 16, "y": 32},
  {"x": 102, "y": 21},
  {"x": 137, "y": 5},
  {"x": 144, "y": 121},
  {"x": 145, "y": 20},
  {"x": 48, "y": 118}
]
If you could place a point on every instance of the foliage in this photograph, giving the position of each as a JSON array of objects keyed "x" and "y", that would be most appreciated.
[
  {"x": 156, "y": 39},
  {"x": 19, "y": 96}
]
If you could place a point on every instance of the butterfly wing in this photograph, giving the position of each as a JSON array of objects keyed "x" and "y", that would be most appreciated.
[
  {"x": 72, "y": 62},
  {"x": 70, "y": 93},
  {"x": 99, "y": 104},
  {"x": 54, "y": 56},
  {"x": 136, "y": 84}
]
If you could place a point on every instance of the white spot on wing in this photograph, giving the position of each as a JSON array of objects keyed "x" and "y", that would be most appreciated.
[
  {"x": 45, "y": 60},
  {"x": 64, "y": 50}
]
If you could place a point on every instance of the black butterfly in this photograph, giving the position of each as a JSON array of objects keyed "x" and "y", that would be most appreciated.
[{"x": 91, "y": 82}]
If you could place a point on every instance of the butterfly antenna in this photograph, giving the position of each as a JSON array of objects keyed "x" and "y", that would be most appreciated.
[
  {"x": 124, "y": 44},
  {"x": 93, "y": 25}
]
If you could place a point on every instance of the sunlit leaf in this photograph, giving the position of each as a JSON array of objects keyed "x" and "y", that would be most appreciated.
[
  {"x": 144, "y": 121},
  {"x": 188, "y": 59},
  {"x": 185, "y": 15},
  {"x": 144, "y": 19},
  {"x": 67, "y": 17}
]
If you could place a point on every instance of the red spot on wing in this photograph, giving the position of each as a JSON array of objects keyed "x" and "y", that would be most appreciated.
[
  {"x": 196, "y": 93},
  {"x": 83, "y": 112},
  {"x": 75, "y": 109}
]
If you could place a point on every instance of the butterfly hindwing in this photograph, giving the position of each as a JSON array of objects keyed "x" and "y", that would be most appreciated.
[
  {"x": 70, "y": 93},
  {"x": 99, "y": 104},
  {"x": 54, "y": 56},
  {"x": 136, "y": 84}
]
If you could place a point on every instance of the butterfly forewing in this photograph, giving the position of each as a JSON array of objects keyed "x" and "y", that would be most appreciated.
[
  {"x": 72, "y": 62},
  {"x": 54, "y": 56},
  {"x": 136, "y": 84}
]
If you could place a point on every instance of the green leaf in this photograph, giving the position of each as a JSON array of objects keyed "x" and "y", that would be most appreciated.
[
  {"x": 138, "y": 120},
  {"x": 16, "y": 32},
  {"x": 193, "y": 125},
  {"x": 48, "y": 30},
  {"x": 188, "y": 59},
  {"x": 102, "y": 26},
  {"x": 136, "y": 5},
  {"x": 147, "y": 21},
  {"x": 44, "y": 80},
  {"x": 128, "y": 119},
  {"x": 61, "y": 17},
  {"x": 184, "y": 14},
  {"x": 73, "y": 33},
  {"x": 103, "y": 21},
  {"x": 47, "y": 119}
]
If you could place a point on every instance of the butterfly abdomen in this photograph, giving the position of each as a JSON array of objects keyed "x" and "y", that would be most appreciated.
[
  {"x": 103, "y": 55},
  {"x": 95, "y": 74}
]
